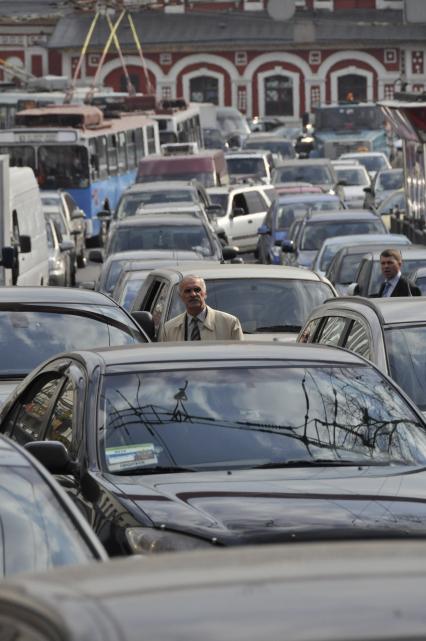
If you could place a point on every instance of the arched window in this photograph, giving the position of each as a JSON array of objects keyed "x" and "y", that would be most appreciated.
[
  {"x": 204, "y": 89},
  {"x": 352, "y": 87},
  {"x": 278, "y": 96}
]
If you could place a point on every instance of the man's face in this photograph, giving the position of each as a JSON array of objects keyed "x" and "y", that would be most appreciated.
[
  {"x": 192, "y": 293},
  {"x": 390, "y": 266}
]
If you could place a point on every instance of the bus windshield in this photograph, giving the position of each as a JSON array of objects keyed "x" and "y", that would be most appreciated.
[
  {"x": 64, "y": 166},
  {"x": 22, "y": 156},
  {"x": 348, "y": 117}
]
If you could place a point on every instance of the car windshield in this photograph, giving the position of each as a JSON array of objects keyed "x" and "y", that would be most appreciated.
[
  {"x": 222, "y": 200},
  {"x": 407, "y": 266},
  {"x": 263, "y": 304},
  {"x": 352, "y": 177},
  {"x": 389, "y": 181},
  {"x": 183, "y": 237},
  {"x": 395, "y": 200},
  {"x": 113, "y": 272},
  {"x": 287, "y": 212},
  {"x": 406, "y": 350},
  {"x": 130, "y": 290},
  {"x": 314, "y": 174},
  {"x": 315, "y": 233},
  {"x": 281, "y": 147},
  {"x": 349, "y": 268},
  {"x": 372, "y": 163},
  {"x": 29, "y": 337},
  {"x": 255, "y": 166},
  {"x": 230, "y": 417},
  {"x": 130, "y": 203}
]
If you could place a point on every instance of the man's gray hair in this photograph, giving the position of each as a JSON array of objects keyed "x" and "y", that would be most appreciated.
[{"x": 191, "y": 277}]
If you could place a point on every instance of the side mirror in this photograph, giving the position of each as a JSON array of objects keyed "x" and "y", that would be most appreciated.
[
  {"x": 229, "y": 253},
  {"x": 353, "y": 289},
  {"x": 237, "y": 211},
  {"x": 77, "y": 213},
  {"x": 288, "y": 246},
  {"x": 53, "y": 455},
  {"x": 8, "y": 257},
  {"x": 66, "y": 245},
  {"x": 96, "y": 256},
  {"x": 146, "y": 322},
  {"x": 25, "y": 244},
  {"x": 263, "y": 229},
  {"x": 104, "y": 214}
]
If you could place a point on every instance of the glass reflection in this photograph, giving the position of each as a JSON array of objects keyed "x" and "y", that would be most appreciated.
[{"x": 248, "y": 417}]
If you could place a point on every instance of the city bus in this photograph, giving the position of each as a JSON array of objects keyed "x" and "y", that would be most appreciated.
[
  {"x": 178, "y": 122},
  {"x": 76, "y": 148},
  {"x": 349, "y": 127}
]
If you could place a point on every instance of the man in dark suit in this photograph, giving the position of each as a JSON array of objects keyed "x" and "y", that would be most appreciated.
[{"x": 395, "y": 284}]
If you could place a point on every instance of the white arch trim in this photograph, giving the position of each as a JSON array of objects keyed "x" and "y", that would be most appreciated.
[
  {"x": 114, "y": 64},
  {"x": 203, "y": 71},
  {"x": 279, "y": 71},
  {"x": 277, "y": 57},
  {"x": 202, "y": 60},
  {"x": 351, "y": 56}
]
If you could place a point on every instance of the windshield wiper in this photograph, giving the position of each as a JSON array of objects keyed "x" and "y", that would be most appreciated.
[
  {"x": 319, "y": 462},
  {"x": 280, "y": 328},
  {"x": 158, "y": 469}
]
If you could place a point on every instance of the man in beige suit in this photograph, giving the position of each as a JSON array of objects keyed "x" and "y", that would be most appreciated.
[{"x": 200, "y": 322}]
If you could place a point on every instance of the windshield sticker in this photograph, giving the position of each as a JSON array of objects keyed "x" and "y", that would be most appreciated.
[{"x": 130, "y": 456}]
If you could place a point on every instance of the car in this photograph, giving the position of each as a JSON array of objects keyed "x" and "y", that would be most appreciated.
[
  {"x": 344, "y": 266},
  {"x": 281, "y": 214},
  {"x": 171, "y": 231},
  {"x": 61, "y": 261},
  {"x": 395, "y": 204},
  {"x": 390, "y": 332},
  {"x": 373, "y": 161},
  {"x": 243, "y": 209},
  {"x": 114, "y": 263},
  {"x": 65, "y": 232},
  {"x": 38, "y": 322},
  {"x": 131, "y": 279},
  {"x": 385, "y": 183},
  {"x": 41, "y": 528},
  {"x": 63, "y": 201},
  {"x": 239, "y": 593},
  {"x": 160, "y": 194},
  {"x": 182, "y": 447},
  {"x": 317, "y": 171},
  {"x": 418, "y": 277},
  {"x": 369, "y": 277},
  {"x": 334, "y": 244},
  {"x": 246, "y": 165},
  {"x": 354, "y": 179},
  {"x": 314, "y": 229},
  {"x": 271, "y": 302},
  {"x": 279, "y": 147}
]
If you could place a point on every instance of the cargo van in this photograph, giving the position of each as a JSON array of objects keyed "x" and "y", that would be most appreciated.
[
  {"x": 208, "y": 167},
  {"x": 23, "y": 239}
]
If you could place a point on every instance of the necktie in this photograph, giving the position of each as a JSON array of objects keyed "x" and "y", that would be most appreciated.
[
  {"x": 386, "y": 289},
  {"x": 195, "y": 330}
]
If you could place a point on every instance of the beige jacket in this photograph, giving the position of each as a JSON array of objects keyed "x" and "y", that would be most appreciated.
[{"x": 218, "y": 326}]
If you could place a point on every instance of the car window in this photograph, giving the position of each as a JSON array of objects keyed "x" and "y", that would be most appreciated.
[
  {"x": 307, "y": 335},
  {"x": 358, "y": 340},
  {"x": 332, "y": 330},
  {"x": 34, "y": 410},
  {"x": 255, "y": 202},
  {"x": 315, "y": 233},
  {"x": 363, "y": 276},
  {"x": 158, "y": 302},
  {"x": 406, "y": 351},
  {"x": 60, "y": 427}
]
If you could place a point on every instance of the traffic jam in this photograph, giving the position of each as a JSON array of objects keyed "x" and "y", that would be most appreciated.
[{"x": 212, "y": 372}]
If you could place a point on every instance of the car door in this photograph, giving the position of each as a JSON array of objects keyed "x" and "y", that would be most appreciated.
[{"x": 244, "y": 225}]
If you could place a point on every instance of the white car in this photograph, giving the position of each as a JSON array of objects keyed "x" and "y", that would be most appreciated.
[
  {"x": 353, "y": 179},
  {"x": 244, "y": 209}
]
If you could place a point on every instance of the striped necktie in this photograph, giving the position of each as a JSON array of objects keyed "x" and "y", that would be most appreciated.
[
  {"x": 195, "y": 330},
  {"x": 386, "y": 289}
]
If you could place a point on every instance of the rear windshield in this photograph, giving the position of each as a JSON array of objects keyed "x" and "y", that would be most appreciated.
[
  {"x": 315, "y": 233},
  {"x": 315, "y": 174},
  {"x": 407, "y": 267},
  {"x": 183, "y": 237}
]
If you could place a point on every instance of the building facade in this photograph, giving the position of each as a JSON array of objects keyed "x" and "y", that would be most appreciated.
[{"x": 232, "y": 53}]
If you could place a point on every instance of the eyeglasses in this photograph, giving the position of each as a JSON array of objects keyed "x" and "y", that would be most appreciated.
[{"x": 188, "y": 290}]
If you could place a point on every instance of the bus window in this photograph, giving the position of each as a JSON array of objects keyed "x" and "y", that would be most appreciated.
[
  {"x": 101, "y": 150},
  {"x": 20, "y": 156},
  {"x": 94, "y": 160},
  {"x": 131, "y": 149},
  {"x": 140, "y": 143},
  {"x": 112, "y": 154},
  {"x": 122, "y": 159},
  {"x": 151, "y": 140},
  {"x": 64, "y": 166}
]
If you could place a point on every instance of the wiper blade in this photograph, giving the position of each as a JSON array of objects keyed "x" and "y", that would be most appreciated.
[
  {"x": 158, "y": 469},
  {"x": 280, "y": 328},
  {"x": 318, "y": 462}
]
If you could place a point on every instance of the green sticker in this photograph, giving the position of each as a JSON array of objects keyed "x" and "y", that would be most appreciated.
[{"x": 130, "y": 456}]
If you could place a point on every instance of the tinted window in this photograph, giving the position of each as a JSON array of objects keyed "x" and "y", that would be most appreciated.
[
  {"x": 60, "y": 426},
  {"x": 205, "y": 418},
  {"x": 315, "y": 233},
  {"x": 261, "y": 304},
  {"x": 31, "y": 420},
  {"x": 29, "y": 337}
]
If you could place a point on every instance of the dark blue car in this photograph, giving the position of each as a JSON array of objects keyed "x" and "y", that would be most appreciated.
[{"x": 283, "y": 211}]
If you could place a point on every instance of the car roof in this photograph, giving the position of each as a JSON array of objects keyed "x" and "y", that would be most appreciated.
[
  {"x": 160, "y": 186},
  {"x": 158, "y": 220},
  {"x": 355, "y": 238},
  {"x": 205, "y": 351},
  {"x": 227, "y": 189},
  {"x": 409, "y": 251},
  {"x": 53, "y": 295},
  {"x": 306, "y": 197},
  {"x": 378, "y": 246},
  {"x": 304, "y": 161},
  {"x": 349, "y": 215},
  {"x": 210, "y": 269},
  {"x": 390, "y": 310}
]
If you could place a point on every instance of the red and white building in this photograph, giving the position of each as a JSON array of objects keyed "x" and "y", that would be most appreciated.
[{"x": 231, "y": 52}]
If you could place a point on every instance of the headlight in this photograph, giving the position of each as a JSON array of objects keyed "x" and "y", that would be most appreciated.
[{"x": 149, "y": 541}]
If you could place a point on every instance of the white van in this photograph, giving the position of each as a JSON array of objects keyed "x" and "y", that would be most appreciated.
[{"x": 22, "y": 228}]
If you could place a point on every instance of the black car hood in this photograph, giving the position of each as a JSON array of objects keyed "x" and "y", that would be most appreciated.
[{"x": 253, "y": 506}]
